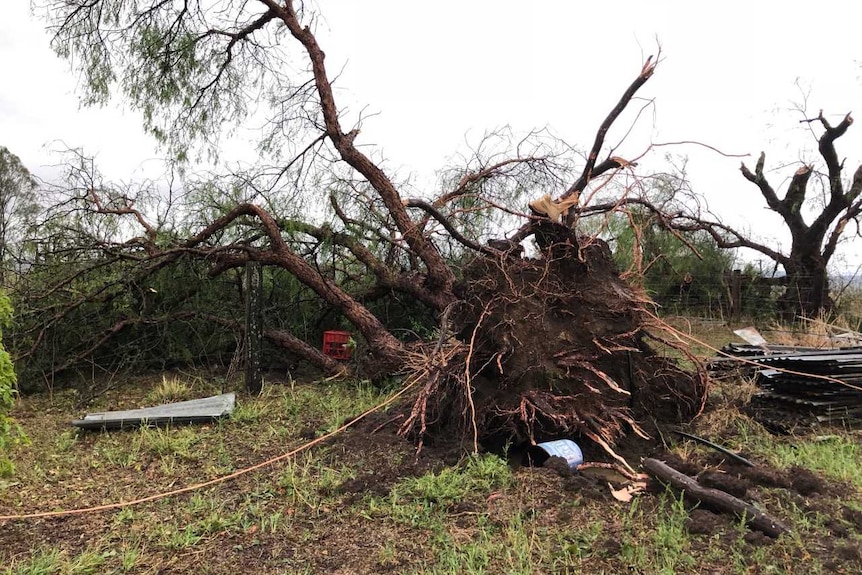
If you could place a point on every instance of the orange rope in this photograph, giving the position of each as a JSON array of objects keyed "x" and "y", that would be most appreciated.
[{"x": 215, "y": 481}]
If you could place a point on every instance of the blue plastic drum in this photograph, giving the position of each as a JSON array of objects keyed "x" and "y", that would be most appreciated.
[{"x": 565, "y": 448}]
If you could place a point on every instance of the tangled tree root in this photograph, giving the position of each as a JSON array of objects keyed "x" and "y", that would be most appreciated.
[{"x": 544, "y": 348}]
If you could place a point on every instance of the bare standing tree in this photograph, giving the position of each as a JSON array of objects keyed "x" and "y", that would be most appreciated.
[{"x": 813, "y": 241}]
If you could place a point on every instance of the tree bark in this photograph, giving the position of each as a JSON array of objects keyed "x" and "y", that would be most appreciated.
[
  {"x": 807, "y": 287},
  {"x": 440, "y": 277},
  {"x": 386, "y": 347},
  {"x": 715, "y": 498}
]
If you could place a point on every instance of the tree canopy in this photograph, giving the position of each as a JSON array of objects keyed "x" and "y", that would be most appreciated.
[{"x": 18, "y": 203}]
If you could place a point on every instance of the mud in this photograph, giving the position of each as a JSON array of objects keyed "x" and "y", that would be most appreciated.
[
  {"x": 804, "y": 482},
  {"x": 727, "y": 482}
]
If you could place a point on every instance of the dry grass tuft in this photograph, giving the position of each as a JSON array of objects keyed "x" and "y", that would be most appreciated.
[
  {"x": 733, "y": 393},
  {"x": 727, "y": 422},
  {"x": 169, "y": 390},
  {"x": 821, "y": 332}
]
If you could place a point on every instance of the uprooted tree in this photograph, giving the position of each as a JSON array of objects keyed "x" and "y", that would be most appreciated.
[{"x": 525, "y": 347}]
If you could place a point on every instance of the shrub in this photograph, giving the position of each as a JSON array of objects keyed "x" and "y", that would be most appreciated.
[{"x": 10, "y": 432}]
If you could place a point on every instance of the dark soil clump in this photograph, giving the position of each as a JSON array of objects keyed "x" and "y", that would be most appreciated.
[
  {"x": 703, "y": 522},
  {"x": 837, "y": 528},
  {"x": 757, "y": 538},
  {"x": 853, "y": 517},
  {"x": 589, "y": 487},
  {"x": 764, "y": 476},
  {"x": 555, "y": 347},
  {"x": 850, "y": 551},
  {"x": 683, "y": 466},
  {"x": 558, "y": 464},
  {"x": 736, "y": 486},
  {"x": 804, "y": 481}
]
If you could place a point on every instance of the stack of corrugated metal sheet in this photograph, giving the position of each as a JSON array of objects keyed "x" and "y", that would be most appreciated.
[{"x": 826, "y": 384}]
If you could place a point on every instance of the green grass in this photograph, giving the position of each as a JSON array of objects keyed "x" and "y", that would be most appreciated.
[
  {"x": 43, "y": 562},
  {"x": 479, "y": 475},
  {"x": 170, "y": 390},
  {"x": 91, "y": 561},
  {"x": 163, "y": 442},
  {"x": 837, "y": 457},
  {"x": 663, "y": 547},
  {"x": 250, "y": 412},
  {"x": 326, "y": 405},
  {"x": 176, "y": 538},
  {"x": 307, "y": 482},
  {"x": 478, "y": 516}
]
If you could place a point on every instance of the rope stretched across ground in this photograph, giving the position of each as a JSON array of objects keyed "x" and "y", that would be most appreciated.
[
  {"x": 322, "y": 438},
  {"x": 217, "y": 480}
]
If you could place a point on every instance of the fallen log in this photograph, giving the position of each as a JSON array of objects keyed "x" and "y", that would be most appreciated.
[{"x": 714, "y": 498}]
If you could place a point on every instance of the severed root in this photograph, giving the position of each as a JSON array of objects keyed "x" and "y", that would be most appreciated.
[
  {"x": 715, "y": 498},
  {"x": 604, "y": 444}
]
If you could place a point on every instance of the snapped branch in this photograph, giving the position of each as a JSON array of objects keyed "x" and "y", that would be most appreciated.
[{"x": 592, "y": 170}]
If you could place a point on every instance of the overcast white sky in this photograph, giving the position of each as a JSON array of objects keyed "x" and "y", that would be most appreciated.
[{"x": 437, "y": 71}]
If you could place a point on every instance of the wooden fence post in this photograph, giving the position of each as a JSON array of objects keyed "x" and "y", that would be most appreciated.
[
  {"x": 253, "y": 327},
  {"x": 736, "y": 294}
]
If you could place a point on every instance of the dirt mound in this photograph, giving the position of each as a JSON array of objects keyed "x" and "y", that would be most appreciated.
[
  {"x": 703, "y": 522},
  {"x": 735, "y": 485},
  {"x": 552, "y": 347}
]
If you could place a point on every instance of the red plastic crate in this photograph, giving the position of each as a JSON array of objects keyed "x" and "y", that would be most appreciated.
[{"x": 335, "y": 344}]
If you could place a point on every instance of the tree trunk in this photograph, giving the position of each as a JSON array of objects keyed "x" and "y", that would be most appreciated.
[{"x": 807, "y": 291}]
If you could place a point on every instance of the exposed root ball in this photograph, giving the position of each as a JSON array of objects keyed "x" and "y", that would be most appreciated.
[{"x": 553, "y": 347}]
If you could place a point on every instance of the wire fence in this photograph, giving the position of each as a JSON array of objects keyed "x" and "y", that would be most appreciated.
[{"x": 733, "y": 296}]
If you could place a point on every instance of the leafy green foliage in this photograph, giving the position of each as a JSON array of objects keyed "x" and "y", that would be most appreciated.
[
  {"x": 10, "y": 432},
  {"x": 188, "y": 69},
  {"x": 688, "y": 273},
  {"x": 151, "y": 317},
  {"x": 18, "y": 205},
  {"x": 677, "y": 270}
]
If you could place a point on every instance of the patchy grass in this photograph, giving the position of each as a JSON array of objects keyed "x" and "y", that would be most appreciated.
[
  {"x": 366, "y": 502},
  {"x": 169, "y": 390},
  {"x": 834, "y": 453},
  {"x": 664, "y": 546},
  {"x": 836, "y": 456}
]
